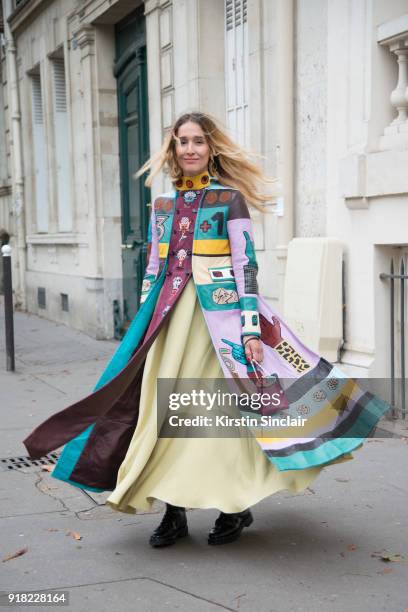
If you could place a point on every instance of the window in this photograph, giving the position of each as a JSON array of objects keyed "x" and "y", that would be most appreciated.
[
  {"x": 61, "y": 131},
  {"x": 236, "y": 62},
  {"x": 40, "y": 159}
]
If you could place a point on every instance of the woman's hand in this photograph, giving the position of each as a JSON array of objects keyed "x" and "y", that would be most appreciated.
[{"x": 253, "y": 348}]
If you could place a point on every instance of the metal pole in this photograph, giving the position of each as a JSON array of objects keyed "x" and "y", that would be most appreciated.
[
  {"x": 8, "y": 306},
  {"x": 394, "y": 409},
  {"x": 402, "y": 339}
]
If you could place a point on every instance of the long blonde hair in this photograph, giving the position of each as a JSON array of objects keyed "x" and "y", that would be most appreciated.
[{"x": 229, "y": 162}]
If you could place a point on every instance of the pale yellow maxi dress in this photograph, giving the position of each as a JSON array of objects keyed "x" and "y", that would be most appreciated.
[{"x": 230, "y": 474}]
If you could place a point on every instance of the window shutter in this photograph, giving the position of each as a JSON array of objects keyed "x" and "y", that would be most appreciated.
[
  {"x": 61, "y": 131},
  {"x": 40, "y": 159},
  {"x": 236, "y": 61}
]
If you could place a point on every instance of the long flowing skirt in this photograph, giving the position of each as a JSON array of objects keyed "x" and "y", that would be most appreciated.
[{"x": 230, "y": 474}]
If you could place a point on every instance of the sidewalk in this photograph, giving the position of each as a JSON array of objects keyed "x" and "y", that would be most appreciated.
[{"x": 318, "y": 550}]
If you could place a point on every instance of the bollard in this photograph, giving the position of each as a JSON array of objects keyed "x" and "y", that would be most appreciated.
[{"x": 8, "y": 306}]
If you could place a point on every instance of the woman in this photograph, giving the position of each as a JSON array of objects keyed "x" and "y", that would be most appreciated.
[{"x": 201, "y": 317}]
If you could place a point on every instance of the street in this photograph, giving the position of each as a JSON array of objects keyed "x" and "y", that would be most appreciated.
[{"x": 341, "y": 545}]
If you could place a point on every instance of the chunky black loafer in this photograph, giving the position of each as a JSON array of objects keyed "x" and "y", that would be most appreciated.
[
  {"x": 172, "y": 527},
  {"x": 228, "y": 527}
]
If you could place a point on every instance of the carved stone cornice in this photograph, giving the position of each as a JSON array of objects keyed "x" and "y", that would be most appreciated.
[
  {"x": 151, "y": 5},
  {"x": 84, "y": 37}
]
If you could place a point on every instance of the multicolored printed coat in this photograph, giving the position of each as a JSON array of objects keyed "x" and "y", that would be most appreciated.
[{"x": 207, "y": 233}]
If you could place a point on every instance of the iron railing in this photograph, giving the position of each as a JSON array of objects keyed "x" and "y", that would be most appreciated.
[{"x": 396, "y": 410}]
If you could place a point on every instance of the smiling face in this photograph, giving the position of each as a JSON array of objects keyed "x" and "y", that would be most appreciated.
[{"x": 192, "y": 150}]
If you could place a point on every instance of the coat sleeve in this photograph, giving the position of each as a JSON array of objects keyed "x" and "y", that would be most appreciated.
[
  {"x": 152, "y": 267},
  {"x": 244, "y": 264}
]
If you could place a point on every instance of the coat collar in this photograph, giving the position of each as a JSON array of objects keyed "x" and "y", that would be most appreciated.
[
  {"x": 199, "y": 181},
  {"x": 213, "y": 184}
]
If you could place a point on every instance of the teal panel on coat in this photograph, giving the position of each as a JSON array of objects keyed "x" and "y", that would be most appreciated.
[
  {"x": 133, "y": 335},
  {"x": 208, "y": 294},
  {"x": 69, "y": 458},
  {"x": 249, "y": 303},
  {"x": 211, "y": 223},
  {"x": 332, "y": 449},
  {"x": 73, "y": 449},
  {"x": 164, "y": 222}
]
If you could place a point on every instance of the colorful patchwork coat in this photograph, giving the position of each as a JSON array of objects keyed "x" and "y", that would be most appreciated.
[{"x": 205, "y": 232}]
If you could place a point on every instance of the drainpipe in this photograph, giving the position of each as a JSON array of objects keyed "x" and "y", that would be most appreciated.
[
  {"x": 17, "y": 159},
  {"x": 285, "y": 124}
]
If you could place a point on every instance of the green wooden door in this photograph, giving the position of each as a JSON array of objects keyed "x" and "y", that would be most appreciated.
[{"x": 131, "y": 74}]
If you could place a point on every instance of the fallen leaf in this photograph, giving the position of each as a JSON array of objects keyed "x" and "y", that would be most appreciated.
[
  {"x": 393, "y": 558},
  {"x": 351, "y": 546},
  {"x": 387, "y": 557},
  {"x": 387, "y": 570},
  {"x": 47, "y": 468},
  {"x": 51, "y": 529},
  {"x": 74, "y": 534},
  {"x": 20, "y": 552}
]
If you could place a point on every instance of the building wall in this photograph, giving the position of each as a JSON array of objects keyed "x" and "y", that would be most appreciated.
[
  {"x": 84, "y": 263},
  {"x": 320, "y": 111},
  {"x": 7, "y": 217},
  {"x": 366, "y": 190},
  {"x": 311, "y": 117}
]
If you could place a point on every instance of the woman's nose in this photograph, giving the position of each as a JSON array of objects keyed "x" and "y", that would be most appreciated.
[{"x": 190, "y": 146}]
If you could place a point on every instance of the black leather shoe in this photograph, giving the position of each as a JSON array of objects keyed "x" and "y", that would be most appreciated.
[
  {"x": 228, "y": 527},
  {"x": 173, "y": 526}
]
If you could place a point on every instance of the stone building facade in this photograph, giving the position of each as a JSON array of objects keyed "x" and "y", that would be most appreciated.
[{"x": 318, "y": 88}]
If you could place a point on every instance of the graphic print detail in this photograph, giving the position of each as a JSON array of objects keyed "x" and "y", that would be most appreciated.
[
  {"x": 176, "y": 284},
  {"x": 205, "y": 226},
  {"x": 181, "y": 255},
  {"x": 319, "y": 395},
  {"x": 251, "y": 284},
  {"x": 251, "y": 268},
  {"x": 160, "y": 221},
  {"x": 184, "y": 225},
  {"x": 219, "y": 218},
  {"x": 189, "y": 196},
  {"x": 224, "y": 296},
  {"x": 271, "y": 335},
  {"x": 146, "y": 285},
  {"x": 289, "y": 354},
  {"x": 221, "y": 274}
]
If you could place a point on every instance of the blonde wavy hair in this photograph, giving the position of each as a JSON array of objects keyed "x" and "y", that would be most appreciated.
[{"x": 229, "y": 163}]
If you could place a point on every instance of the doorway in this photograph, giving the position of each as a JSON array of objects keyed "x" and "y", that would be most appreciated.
[{"x": 133, "y": 123}]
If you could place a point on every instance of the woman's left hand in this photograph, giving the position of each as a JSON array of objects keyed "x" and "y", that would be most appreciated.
[{"x": 254, "y": 349}]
